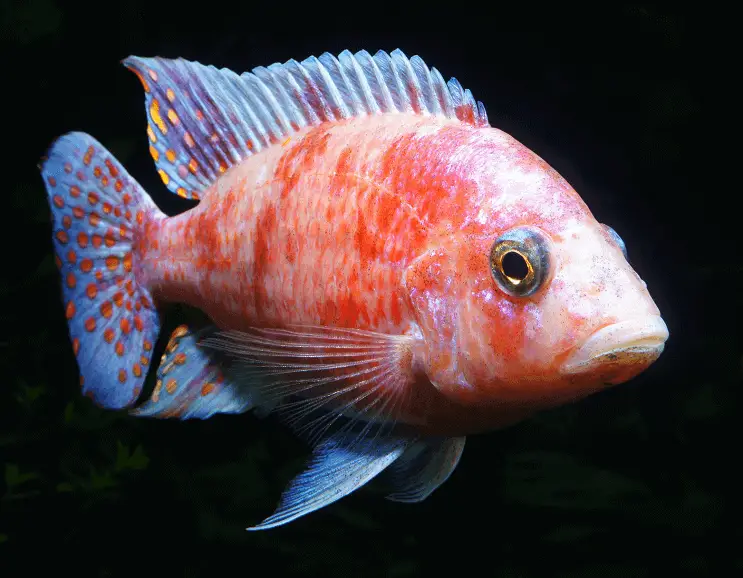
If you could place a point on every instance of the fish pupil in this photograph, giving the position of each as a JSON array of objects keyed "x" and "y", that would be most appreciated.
[{"x": 515, "y": 267}]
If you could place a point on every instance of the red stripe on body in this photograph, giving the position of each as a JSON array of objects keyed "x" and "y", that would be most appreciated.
[{"x": 323, "y": 240}]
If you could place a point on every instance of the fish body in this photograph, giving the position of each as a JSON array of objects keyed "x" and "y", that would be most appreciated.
[{"x": 381, "y": 267}]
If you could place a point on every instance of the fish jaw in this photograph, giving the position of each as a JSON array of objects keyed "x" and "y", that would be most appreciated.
[{"x": 619, "y": 351}]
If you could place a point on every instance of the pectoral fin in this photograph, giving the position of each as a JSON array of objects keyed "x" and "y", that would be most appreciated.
[{"x": 313, "y": 375}]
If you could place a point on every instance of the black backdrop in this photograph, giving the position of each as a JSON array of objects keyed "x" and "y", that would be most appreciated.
[{"x": 634, "y": 481}]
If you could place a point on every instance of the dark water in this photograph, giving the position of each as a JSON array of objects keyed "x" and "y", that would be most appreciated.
[{"x": 634, "y": 482}]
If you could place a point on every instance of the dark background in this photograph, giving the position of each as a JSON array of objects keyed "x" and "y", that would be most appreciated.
[{"x": 636, "y": 481}]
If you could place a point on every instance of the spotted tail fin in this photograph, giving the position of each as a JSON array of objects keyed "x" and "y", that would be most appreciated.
[{"x": 98, "y": 213}]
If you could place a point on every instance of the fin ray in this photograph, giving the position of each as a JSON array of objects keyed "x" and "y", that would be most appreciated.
[
  {"x": 311, "y": 374},
  {"x": 98, "y": 211},
  {"x": 338, "y": 467},
  {"x": 202, "y": 120},
  {"x": 194, "y": 382},
  {"x": 423, "y": 468}
]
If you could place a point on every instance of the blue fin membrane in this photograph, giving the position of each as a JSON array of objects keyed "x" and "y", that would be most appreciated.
[
  {"x": 423, "y": 467},
  {"x": 193, "y": 382},
  {"x": 340, "y": 464},
  {"x": 202, "y": 120},
  {"x": 338, "y": 389},
  {"x": 98, "y": 210}
]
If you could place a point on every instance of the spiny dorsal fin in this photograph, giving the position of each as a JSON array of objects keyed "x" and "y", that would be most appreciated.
[{"x": 202, "y": 120}]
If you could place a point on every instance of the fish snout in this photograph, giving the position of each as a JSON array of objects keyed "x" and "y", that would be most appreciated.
[{"x": 619, "y": 351}]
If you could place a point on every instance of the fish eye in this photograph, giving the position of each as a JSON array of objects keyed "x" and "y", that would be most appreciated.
[
  {"x": 617, "y": 239},
  {"x": 519, "y": 261}
]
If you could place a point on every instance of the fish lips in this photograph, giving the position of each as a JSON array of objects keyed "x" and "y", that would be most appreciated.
[{"x": 619, "y": 351}]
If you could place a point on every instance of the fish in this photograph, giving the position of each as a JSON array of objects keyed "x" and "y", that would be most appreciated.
[{"x": 379, "y": 267}]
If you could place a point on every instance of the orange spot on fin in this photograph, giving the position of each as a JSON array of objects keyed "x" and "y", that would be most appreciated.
[
  {"x": 87, "y": 214},
  {"x": 190, "y": 381},
  {"x": 195, "y": 136},
  {"x": 220, "y": 117},
  {"x": 155, "y": 116}
]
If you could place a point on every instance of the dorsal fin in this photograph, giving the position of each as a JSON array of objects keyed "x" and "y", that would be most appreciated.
[{"x": 202, "y": 120}]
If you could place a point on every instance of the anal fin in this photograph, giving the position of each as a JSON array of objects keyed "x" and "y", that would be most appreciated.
[{"x": 191, "y": 381}]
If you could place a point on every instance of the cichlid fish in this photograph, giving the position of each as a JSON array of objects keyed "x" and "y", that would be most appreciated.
[{"x": 382, "y": 269}]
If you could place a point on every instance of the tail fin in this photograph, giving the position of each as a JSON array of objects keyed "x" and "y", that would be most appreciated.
[{"x": 98, "y": 213}]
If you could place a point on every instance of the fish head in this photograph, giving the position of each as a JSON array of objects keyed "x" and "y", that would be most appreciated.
[{"x": 533, "y": 302}]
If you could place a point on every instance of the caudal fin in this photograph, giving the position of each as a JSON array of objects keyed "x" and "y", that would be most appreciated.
[{"x": 98, "y": 213}]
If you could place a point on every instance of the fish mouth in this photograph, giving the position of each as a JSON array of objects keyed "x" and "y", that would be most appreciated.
[{"x": 619, "y": 351}]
